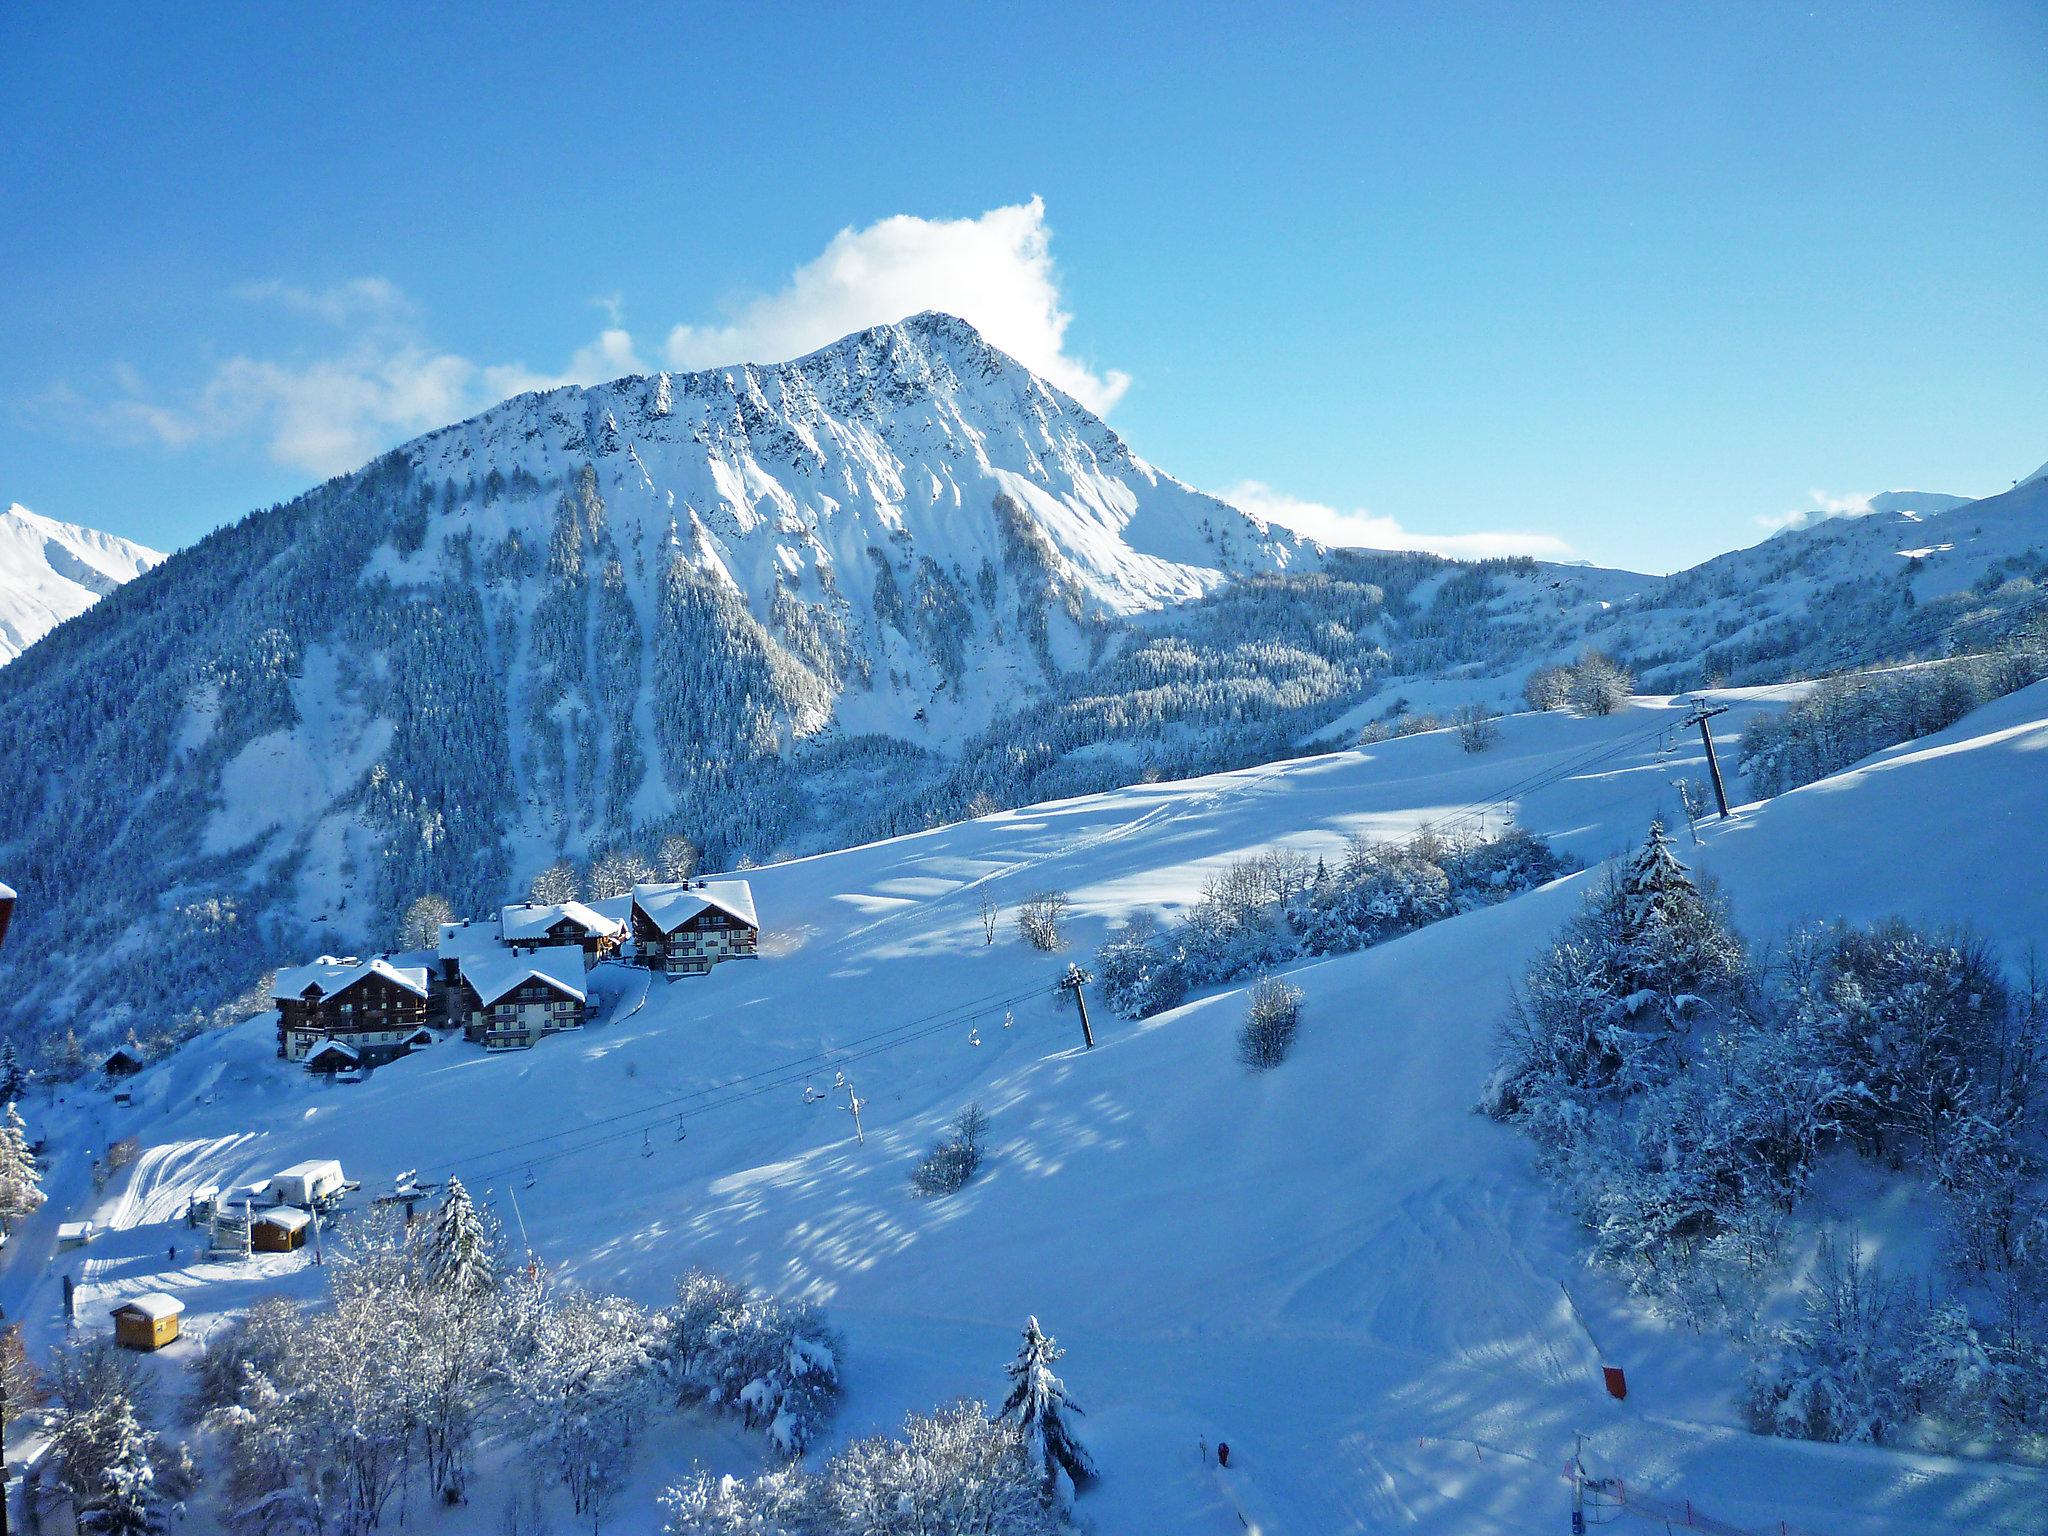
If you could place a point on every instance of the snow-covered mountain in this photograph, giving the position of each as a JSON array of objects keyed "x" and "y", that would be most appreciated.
[
  {"x": 777, "y": 609},
  {"x": 52, "y": 571},
  {"x": 731, "y": 603}
]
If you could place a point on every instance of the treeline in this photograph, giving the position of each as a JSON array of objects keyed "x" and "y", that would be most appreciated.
[
  {"x": 1281, "y": 905},
  {"x": 1844, "y": 719},
  {"x": 1682, "y": 1093}
]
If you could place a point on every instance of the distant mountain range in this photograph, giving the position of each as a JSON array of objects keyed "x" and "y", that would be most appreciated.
[
  {"x": 51, "y": 571},
  {"x": 780, "y": 609}
]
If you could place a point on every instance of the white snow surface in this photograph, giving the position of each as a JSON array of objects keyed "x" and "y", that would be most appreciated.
[
  {"x": 52, "y": 571},
  {"x": 1335, "y": 1266}
]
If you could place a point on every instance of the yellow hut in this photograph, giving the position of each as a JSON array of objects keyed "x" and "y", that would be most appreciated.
[
  {"x": 279, "y": 1231},
  {"x": 147, "y": 1322}
]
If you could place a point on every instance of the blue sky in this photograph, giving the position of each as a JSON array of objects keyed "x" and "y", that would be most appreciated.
[{"x": 1620, "y": 280}]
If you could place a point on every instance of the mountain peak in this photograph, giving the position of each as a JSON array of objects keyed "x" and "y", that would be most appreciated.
[{"x": 51, "y": 571}]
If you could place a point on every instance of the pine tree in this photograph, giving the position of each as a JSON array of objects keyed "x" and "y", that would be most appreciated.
[
  {"x": 12, "y": 1079},
  {"x": 1675, "y": 949},
  {"x": 1039, "y": 1402},
  {"x": 460, "y": 1254},
  {"x": 21, "y": 1188},
  {"x": 128, "y": 1504}
]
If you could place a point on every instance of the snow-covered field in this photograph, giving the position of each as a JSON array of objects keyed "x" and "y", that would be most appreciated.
[{"x": 1336, "y": 1266}]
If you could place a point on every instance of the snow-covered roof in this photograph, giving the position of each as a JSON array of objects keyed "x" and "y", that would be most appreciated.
[
  {"x": 334, "y": 1048},
  {"x": 460, "y": 940},
  {"x": 312, "y": 1168},
  {"x": 671, "y": 905},
  {"x": 74, "y": 1231},
  {"x": 497, "y": 974},
  {"x": 332, "y": 975},
  {"x": 529, "y": 920},
  {"x": 6, "y": 891},
  {"x": 154, "y": 1305},
  {"x": 288, "y": 1217}
]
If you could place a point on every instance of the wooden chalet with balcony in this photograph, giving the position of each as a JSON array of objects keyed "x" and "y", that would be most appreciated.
[
  {"x": 509, "y": 1002},
  {"x": 374, "y": 1008},
  {"x": 529, "y": 927},
  {"x": 686, "y": 927}
]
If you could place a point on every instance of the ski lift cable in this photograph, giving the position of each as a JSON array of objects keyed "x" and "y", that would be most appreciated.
[
  {"x": 593, "y": 1143},
  {"x": 731, "y": 1091},
  {"x": 815, "y": 1062}
]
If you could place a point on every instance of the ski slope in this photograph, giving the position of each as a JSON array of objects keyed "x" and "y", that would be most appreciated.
[{"x": 1336, "y": 1267}]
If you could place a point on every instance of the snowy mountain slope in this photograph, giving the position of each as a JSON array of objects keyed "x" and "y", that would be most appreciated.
[
  {"x": 51, "y": 571},
  {"x": 775, "y": 609},
  {"x": 1936, "y": 573},
  {"x": 1335, "y": 1266},
  {"x": 587, "y": 617}
]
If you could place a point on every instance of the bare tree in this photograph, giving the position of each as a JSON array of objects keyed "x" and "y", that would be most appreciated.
[
  {"x": 678, "y": 857},
  {"x": 991, "y": 914},
  {"x": 1599, "y": 685},
  {"x": 1039, "y": 919},
  {"x": 423, "y": 919},
  {"x": 557, "y": 883},
  {"x": 616, "y": 872},
  {"x": 1477, "y": 729},
  {"x": 1548, "y": 688}
]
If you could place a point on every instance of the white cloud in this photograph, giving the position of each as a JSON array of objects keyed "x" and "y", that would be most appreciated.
[
  {"x": 1361, "y": 529},
  {"x": 1824, "y": 507},
  {"x": 995, "y": 272},
  {"x": 369, "y": 377},
  {"x": 375, "y": 298},
  {"x": 332, "y": 409}
]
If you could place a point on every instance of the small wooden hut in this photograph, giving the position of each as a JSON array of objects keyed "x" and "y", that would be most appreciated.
[
  {"x": 279, "y": 1231},
  {"x": 147, "y": 1322}
]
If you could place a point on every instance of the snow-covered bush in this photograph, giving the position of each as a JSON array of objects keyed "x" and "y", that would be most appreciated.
[
  {"x": 773, "y": 1363},
  {"x": 955, "y": 1472},
  {"x": 1915, "y": 1021},
  {"x": 1271, "y": 1016},
  {"x": 580, "y": 1376},
  {"x": 1273, "y": 907},
  {"x": 1140, "y": 969},
  {"x": 948, "y": 1166},
  {"x": 1838, "y": 1373},
  {"x": 1039, "y": 918},
  {"x": 1847, "y": 718},
  {"x": 951, "y": 1471},
  {"x": 1548, "y": 688}
]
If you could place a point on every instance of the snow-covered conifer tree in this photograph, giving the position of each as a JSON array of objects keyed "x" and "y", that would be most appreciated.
[
  {"x": 460, "y": 1250},
  {"x": 13, "y": 1080},
  {"x": 21, "y": 1187},
  {"x": 128, "y": 1503},
  {"x": 1039, "y": 1403}
]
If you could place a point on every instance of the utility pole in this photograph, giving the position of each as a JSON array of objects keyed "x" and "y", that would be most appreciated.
[
  {"x": 1074, "y": 981},
  {"x": 853, "y": 1104},
  {"x": 1702, "y": 712}
]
